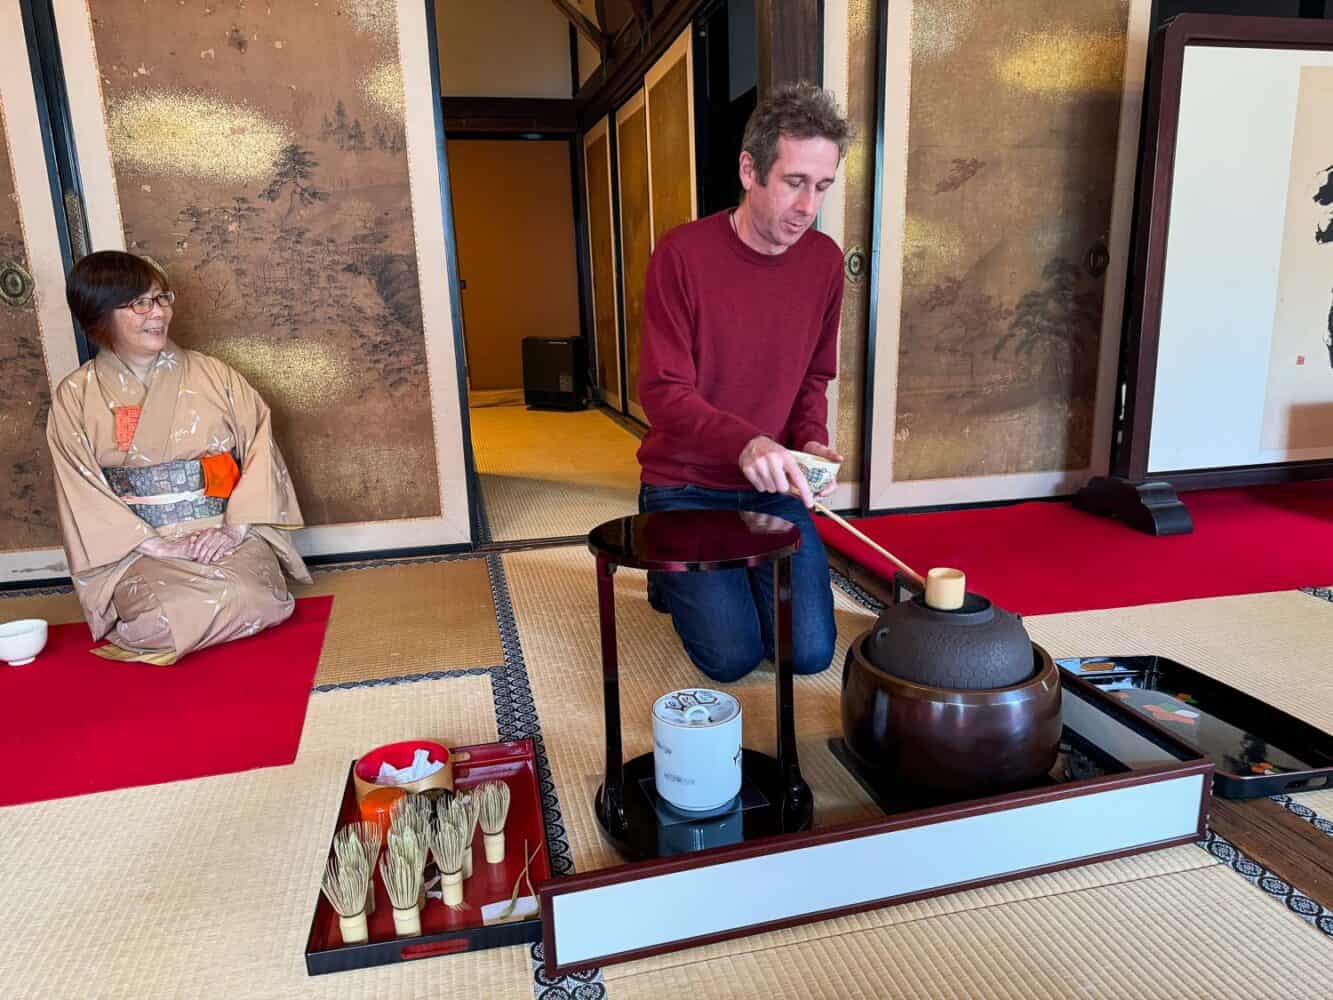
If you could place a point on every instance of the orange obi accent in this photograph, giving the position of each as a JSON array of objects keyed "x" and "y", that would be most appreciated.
[
  {"x": 127, "y": 422},
  {"x": 221, "y": 474}
]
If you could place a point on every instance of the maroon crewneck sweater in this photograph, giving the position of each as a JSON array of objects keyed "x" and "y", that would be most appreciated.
[{"x": 735, "y": 344}]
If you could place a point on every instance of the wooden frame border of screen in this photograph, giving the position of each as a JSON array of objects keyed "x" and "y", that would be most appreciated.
[{"x": 1152, "y": 213}]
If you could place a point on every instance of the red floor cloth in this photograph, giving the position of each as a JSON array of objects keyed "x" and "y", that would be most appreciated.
[
  {"x": 1044, "y": 557},
  {"x": 73, "y": 723}
]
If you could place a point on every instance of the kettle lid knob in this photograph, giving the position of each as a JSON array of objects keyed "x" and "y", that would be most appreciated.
[{"x": 945, "y": 588}]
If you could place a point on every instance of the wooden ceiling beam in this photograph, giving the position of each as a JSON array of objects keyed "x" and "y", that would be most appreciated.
[{"x": 592, "y": 32}]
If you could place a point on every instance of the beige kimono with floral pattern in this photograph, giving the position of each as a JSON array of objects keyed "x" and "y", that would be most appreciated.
[{"x": 158, "y": 610}]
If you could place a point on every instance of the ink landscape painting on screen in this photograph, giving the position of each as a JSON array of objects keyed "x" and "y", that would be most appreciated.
[
  {"x": 1012, "y": 144},
  {"x": 260, "y": 156},
  {"x": 27, "y": 496}
]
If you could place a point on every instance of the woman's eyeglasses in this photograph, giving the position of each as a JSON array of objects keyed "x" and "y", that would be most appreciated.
[{"x": 143, "y": 305}]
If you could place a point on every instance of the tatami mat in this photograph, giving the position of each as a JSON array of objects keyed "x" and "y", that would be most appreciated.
[
  {"x": 396, "y": 620},
  {"x": 552, "y": 474},
  {"x": 1320, "y": 801},
  {"x": 406, "y": 619},
  {"x": 555, "y": 608},
  {"x": 207, "y": 887},
  {"x": 1201, "y": 933},
  {"x": 1275, "y": 646},
  {"x": 57, "y": 609}
]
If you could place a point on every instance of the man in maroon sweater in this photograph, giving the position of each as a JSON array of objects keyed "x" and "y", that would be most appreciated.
[{"x": 740, "y": 328}]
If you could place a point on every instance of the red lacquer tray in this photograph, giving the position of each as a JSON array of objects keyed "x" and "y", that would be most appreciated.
[{"x": 446, "y": 931}]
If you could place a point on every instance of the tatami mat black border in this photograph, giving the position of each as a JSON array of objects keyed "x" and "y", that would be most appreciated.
[
  {"x": 1324, "y": 826},
  {"x": 1257, "y": 875}
]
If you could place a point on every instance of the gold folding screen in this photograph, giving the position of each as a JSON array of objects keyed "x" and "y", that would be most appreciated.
[
  {"x": 1009, "y": 147},
  {"x": 37, "y": 345},
  {"x": 602, "y": 250},
  {"x": 655, "y": 147},
  {"x": 669, "y": 92},
  {"x": 27, "y": 496},
  {"x": 635, "y": 233},
  {"x": 280, "y": 161}
]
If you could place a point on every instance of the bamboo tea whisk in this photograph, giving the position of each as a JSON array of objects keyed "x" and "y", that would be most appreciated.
[
  {"x": 350, "y": 847},
  {"x": 462, "y": 813},
  {"x": 402, "y": 880},
  {"x": 494, "y": 808},
  {"x": 451, "y": 843},
  {"x": 371, "y": 835},
  {"x": 344, "y": 886},
  {"x": 412, "y": 810}
]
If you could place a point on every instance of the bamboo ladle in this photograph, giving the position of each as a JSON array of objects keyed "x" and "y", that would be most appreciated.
[{"x": 945, "y": 588}]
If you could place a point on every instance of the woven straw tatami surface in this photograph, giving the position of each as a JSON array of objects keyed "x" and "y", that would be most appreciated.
[
  {"x": 206, "y": 888},
  {"x": 1186, "y": 935},
  {"x": 555, "y": 607},
  {"x": 396, "y": 620},
  {"x": 547, "y": 474},
  {"x": 58, "y": 609},
  {"x": 1277, "y": 647},
  {"x": 406, "y": 619}
]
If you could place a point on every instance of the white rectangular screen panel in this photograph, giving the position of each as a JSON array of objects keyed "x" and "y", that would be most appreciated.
[{"x": 1244, "y": 376}]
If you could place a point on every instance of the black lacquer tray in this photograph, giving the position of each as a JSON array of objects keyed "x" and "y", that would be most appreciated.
[{"x": 1257, "y": 749}]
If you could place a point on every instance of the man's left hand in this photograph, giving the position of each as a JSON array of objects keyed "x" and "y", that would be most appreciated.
[{"x": 823, "y": 451}]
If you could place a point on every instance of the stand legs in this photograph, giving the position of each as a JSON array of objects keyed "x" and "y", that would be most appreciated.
[
  {"x": 611, "y": 803},
  {"x": 796, "y": 793}
]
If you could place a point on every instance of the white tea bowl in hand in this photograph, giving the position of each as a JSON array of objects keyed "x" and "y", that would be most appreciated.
[
  {"x": 21, "y": 641},
  {"x": 820, "y": 473}
]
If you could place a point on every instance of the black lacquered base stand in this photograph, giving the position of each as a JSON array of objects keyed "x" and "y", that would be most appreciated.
[{"x": 774, "y": 797}]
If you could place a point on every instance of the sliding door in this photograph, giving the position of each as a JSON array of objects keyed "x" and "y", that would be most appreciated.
[
  {"x": 636, "y": 233},
  {"x": 669, "y": 93},
  {"x": 37, "y": 344},
  {"x": 602, "y": 253},
  {"x": 1010, "y": 136},
  {"x": 283, "y": 163}
]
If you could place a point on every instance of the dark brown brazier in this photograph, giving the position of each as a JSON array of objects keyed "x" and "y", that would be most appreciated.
[{"x": 951, "y": 699}]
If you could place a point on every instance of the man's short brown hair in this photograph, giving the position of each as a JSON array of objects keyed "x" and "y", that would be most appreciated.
[{"x": 798, "y": 111}]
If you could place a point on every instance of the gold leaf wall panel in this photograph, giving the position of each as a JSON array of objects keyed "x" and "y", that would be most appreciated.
[
  {"x": 601, "y": 240},
  {"x": 260, "y": 155},
  {"x": 27, "y": 493},
  {"x": 858, "y": 180},
  {"x": 672, "y": 167},
  {"x": 1012, "y": 145},
  {"x": 635, "y": 236}
]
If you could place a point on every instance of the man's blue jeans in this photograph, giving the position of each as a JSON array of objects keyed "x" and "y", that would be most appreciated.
[{"x": 725, "y": 618}]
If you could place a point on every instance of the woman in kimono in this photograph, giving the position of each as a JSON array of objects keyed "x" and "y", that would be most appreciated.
[{"x": 175, "y": 505}]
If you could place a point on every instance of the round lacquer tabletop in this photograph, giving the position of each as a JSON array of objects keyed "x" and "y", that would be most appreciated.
[{"x": 682, "y": 541}]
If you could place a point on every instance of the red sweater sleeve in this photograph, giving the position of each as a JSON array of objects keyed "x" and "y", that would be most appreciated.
[
  {"x": 809, "y": 413},
  {"x": 667, "y": 376}
]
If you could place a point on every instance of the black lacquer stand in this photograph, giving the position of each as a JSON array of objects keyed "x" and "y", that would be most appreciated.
[
  {"x": 1151, "y": 507},
  {"x": 774, "y": 797}
]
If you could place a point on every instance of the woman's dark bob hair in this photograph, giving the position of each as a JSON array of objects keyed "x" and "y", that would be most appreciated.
[{"x": 103, "y": 282}]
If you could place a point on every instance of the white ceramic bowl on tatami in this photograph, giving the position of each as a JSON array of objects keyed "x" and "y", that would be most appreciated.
[
  {"x": 697, "y": 748},
  {"x": 21, "y": 641}
]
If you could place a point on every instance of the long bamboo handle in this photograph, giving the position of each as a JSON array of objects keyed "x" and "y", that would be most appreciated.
[{"x": 917, "y": 577}]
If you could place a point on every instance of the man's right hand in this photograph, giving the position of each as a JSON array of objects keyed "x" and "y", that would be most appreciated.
[{"x": 770, "y": 468}]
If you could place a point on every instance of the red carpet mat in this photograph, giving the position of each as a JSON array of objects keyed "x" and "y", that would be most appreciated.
[
  {"x": 74, "y": 723},
  {"x": 1043, "y": 557}
]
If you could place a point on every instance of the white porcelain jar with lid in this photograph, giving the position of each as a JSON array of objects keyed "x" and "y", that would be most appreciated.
[{"x": 697, "y": 748}]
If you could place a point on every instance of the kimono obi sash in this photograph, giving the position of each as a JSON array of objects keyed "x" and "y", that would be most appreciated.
[{"x": 165, "y": 494}]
